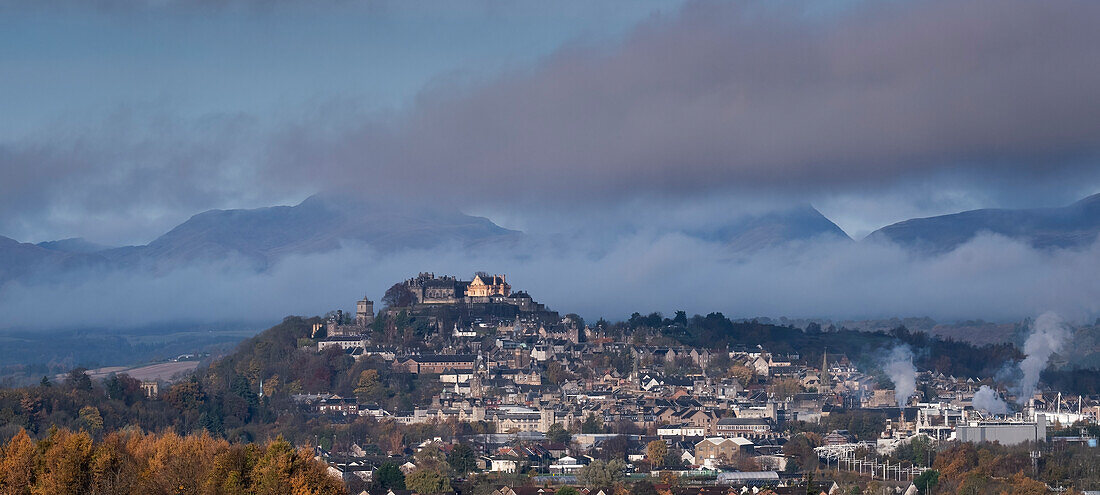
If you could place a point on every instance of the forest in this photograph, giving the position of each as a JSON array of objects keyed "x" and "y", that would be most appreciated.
[{"x": 715, "y": 330}]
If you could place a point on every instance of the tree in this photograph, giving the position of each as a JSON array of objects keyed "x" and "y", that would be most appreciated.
[
  {"x": 800, "y": 448},
  {"x": 592, "y": 424},
  {"x": 786, "y": 388},
  {"x": 656, "y": 451},
  {"x": 123, "y": 387},
  {"x": 398, "y": 296},
  {"x": 91, "y": 418},
  {"x": 462, "y": 459},
  {"x": 17, "y": 464},
  {"x": 643, "y": 488},
  {"x": 558, "y": 434},
  {"x": 1022, "y": 485},
  {"x": 369, "y": 386},
  {"x": 556, "y": 374},
  {"x": 616, "y": 447},
  {"x": 431, "y": 456},
  {"x": 65, "y": 457},
  {"x": 45, "y": 381},
  {"x": 927, "y": 481},
  {"x": 79, "y": 379},
  {"x": 567, "y": 490},
  {"x": 389, "y": 476},
  {"x": 744, "y": 374},
  {"x": 600, "y": 474},
  {"x": 427, "y": 482}
]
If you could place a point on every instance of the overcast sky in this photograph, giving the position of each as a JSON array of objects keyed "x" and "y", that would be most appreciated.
[{"x": 123, "y": 118}]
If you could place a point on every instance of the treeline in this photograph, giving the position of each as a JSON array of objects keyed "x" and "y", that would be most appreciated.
[
  {"x": 996, "y": 469},
  {"x": 66, "y": 462},
  {"x": 715, "y": 330},
  {"x": 1076, "y": 381},
  {"x": 245, "y": 396},
  {"x": 864, "y": 425}
]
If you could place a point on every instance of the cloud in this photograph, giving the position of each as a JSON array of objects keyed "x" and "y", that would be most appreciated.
[
  {"x": 989, "y": 277},
  {"x": 743, "y": 95},
  {"x": 137, "y": 173},
  {"x": 761, "y": 99}
]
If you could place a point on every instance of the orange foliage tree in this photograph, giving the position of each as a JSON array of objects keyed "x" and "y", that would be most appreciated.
[{"x": 65, "y": 462}]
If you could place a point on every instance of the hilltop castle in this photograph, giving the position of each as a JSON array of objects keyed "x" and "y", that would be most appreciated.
[
  {"x": 483, "y": 289},
  {"x": 446, "y": 300}
]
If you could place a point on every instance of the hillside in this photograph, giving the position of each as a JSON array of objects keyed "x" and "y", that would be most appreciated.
[
  {"x": 259, "y": 238},
  {"x": 262, "y": 236},
  {"x": 1070, "y": 226},
  {"x": 20, "y": 260},
  {"x": 801, "y": 223}
]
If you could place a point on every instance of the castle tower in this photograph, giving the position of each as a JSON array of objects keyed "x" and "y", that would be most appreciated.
[{"x": 364, "y": 312}]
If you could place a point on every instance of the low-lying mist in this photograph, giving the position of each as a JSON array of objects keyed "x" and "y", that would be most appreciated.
[{"x": 989, "y": 277}]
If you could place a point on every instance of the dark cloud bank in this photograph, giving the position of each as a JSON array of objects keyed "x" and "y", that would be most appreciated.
[{"x": 753, "y": 95}]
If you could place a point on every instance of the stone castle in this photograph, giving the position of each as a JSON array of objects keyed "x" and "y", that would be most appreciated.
[
  {"x": 446, "y": 300},
  {"x": 483, "y": 289}
]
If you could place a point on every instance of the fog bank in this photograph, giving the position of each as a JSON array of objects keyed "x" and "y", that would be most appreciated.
[{"x": 992, "y": 278}]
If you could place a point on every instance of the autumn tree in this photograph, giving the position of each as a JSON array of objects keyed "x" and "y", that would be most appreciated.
[
  {"x": 91, "y": 419},
  {"x": 64, "y": 459},
  {"x": 64, "y": 462},
  {"x": 744, "y": 374},
  {"x": 656, "y": 451},
  {"x": 17, "y": 464},
  {"x": 369, "y": 386},
  {"x": 785, "y": 388}
]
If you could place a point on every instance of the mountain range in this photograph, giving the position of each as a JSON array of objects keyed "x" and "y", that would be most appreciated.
[
  {"x": 1063, "y": 227},
  {"x": 258, "y": 238}
]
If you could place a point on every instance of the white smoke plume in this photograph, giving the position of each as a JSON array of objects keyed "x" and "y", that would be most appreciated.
[
  {"x": 989, "y": 401},
  {"x": 899, "y": 367},
  {"x": 1048, "y": 335}
]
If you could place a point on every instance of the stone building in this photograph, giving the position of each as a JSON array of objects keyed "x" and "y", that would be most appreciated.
[
  {"x": 364, "y": 312},
  {"x": 484, "y": 285},
  {"x": 722, "y": 449},
  {"x": 427, "y": 288},
  {"x": 437, "y": 364}
]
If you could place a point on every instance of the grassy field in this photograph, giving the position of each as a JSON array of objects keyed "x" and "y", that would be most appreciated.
[{"x": 25, "y": 357}]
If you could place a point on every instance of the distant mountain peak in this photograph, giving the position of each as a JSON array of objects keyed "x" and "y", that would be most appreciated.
[
  {"x": 800, "y": 222},
  {"x": 1074, "y": 225}
]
